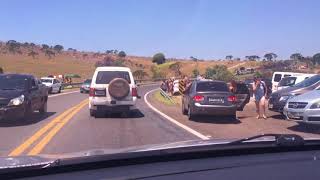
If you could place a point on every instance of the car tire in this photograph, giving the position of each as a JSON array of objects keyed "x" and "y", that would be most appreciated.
[
  {"x": 44, "y": 108},
  {"x": 190, "y": 115},
  {"x": 93, "y": 113},
  {"x": 183, "y": 109},
  {"x": 59, "y": 90},
  {"x": 233, "y": 116}
]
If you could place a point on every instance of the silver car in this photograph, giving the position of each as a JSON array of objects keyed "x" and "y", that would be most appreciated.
[{"x": 304, "y": 108}]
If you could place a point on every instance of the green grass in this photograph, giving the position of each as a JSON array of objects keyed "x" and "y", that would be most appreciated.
[{"x": 162, "y": 99}]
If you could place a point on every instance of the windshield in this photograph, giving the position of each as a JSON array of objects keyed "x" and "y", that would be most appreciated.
[
  {"x": 46, "y": 80},
  {"x": 308, "y": 82},
  {"x": 13, "y": 82},
  {"x": 186, "y": 70},
  {"x": 88, "y": 81},
  {"x": 287, "y": 81}
]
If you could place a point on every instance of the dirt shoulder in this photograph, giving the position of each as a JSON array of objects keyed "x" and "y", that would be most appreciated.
[{"x": 245, "y": 125}]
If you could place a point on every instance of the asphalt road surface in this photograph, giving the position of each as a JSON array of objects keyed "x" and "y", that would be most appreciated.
[{"x": 68, "y": 127}]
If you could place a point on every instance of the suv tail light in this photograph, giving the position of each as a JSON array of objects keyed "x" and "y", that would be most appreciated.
[
  {"x": 232, "y": 99},
  {"x": 134, "y": 92},
  {"x": 97, "y": 92},
  {"x": 198, "y": 98},
  {"x": 91, "y": 92}
]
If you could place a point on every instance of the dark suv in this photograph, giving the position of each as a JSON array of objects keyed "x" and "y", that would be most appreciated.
[{"x": 209, "y": 97}]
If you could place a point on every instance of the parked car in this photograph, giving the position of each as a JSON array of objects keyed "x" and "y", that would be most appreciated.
[
  {"x": 292, "y": 80},
  {"x": 279, "y": 98},
  {"x": 277, "y": 76},
  {"x": 85, "y": 87},
  {"x": 209, "y": 97},
  {"x": 21, "y": 95},
  {"x": 304, "y": 108},
  {"x": 54, "y": 85},
  {"x": 112, "y": 89}
]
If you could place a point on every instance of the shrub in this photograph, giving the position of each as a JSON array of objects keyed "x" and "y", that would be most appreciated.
[
  {"x": 139, "y": 74},
  {"x": 157, "y": 73},
  {"x": 195, "y": 73},
  {"x": 122, "y": 54},
  {"x": 159, "y": 58},
  {"x": 220, "y": 72}
]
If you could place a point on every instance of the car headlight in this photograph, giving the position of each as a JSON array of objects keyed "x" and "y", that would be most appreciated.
[
  {"x": 286, "y": 97},
  {"x": 16, "y": 101},
  {"x": 315, "y": 105}
]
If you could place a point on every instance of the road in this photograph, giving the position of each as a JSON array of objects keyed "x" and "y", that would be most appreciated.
[{"x": 68, "y": 128}]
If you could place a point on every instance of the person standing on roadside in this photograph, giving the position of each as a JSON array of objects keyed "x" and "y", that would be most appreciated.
[
  {"x": 233, "y": 86},
  {"x": 259, "y": 91}
]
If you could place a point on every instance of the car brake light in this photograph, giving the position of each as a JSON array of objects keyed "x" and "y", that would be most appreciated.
[
  {"x": 198, "y": 98},
  {"x": 134, "y": 92},
  {"x": 232, "y": 99},
  {"x": 91, "y": 92}
]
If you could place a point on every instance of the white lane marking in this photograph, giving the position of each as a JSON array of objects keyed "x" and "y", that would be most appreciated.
[
  {"x": 61, "y": 94},
  {"x": 201, "y": 136}
]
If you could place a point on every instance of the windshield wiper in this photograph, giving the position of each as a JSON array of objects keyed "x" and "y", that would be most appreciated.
[{"x": 280, "y": 139}]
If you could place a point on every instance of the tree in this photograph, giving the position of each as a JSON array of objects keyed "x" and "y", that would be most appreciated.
[
  {"x": 33, "y": 54},
  {"x": 193, "y": 59},
  {"x": 49, "y": 53},
  {"x": 139, "y": 74},
  {"x": 58, "y": 48},
  {"x": 175, "y": 67},
  {"x": 84, "y": 56},
  {"x": 195, "y": 73},
  {"x": 45, "y": 47},
  {"x": 229, "y": 57},
  {"x": 270, "y": 56},
  {"x": 210, "y": 72},
  {"x": 221, "y": 73},
  {"x": 115, "y": 51},
  {"x": 122, "y": 54},
  {"x": 1, "y": 70},
  {"x": 159, "y": 58},
  {"x": 296, "y": 57},
  {"x": 13, "y": 46},
  {"x": 316, "y": 59},
  {"x": 252, "y": 57}
]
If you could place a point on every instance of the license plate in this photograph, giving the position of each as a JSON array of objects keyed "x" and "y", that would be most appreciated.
[
  {"x": 270, "y": 106},
  {"x": 294, "y": 115},
  {"x": 216, "y": 100}
]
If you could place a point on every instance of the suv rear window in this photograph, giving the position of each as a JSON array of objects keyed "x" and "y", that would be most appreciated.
[
  {"x": 277, "y": 77},
  {"x": 212, "y": 86},
  {"x": 104, "y": 77}
]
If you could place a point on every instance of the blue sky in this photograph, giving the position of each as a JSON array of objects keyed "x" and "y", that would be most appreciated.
[{"x": 207, "y": 29}]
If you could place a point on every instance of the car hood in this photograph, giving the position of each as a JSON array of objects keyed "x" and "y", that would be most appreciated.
[
  {"x": 286, "y": 90},
  {"x": 307, "y": 97},
  {"x": 7, "y": 95}
]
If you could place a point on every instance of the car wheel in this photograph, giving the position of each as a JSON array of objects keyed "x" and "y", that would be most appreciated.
[
  {"x": 44, "y": 108},
  {"x": 184, "y": 111},
  {"x": 93, "y": 113},
  {"x": 190, "y": 115},
  {"x": 233, "y": 117},
  {"x": 50, "y": 90},
  {"x": 59, "y": 90}
]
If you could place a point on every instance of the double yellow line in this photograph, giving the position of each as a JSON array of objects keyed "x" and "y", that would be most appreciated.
[{"x": 51, "y": 129}]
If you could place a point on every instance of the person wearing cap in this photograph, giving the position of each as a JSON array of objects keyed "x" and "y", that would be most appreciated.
[{"x": 259, "y": 91}]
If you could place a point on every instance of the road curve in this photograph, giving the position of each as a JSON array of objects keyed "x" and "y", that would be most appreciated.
[{"x": 68, "y": 128}]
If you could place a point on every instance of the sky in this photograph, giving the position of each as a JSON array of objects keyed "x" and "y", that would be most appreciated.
[{"x": 206, "y": 29}]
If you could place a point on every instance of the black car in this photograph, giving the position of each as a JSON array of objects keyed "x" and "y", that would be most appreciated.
[
  {"x": 21, "y": 95},
  {"x": 85, "y": 86},
  {"x": 209, "y": 97},
  {"x": 279, "y": 98}
]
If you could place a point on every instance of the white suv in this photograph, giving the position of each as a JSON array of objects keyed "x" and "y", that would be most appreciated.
[
  {"x": 53, "y": 84},
  {"x": 112, "y": 90}
]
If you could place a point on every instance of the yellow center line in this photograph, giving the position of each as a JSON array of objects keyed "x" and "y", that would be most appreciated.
[
  {"x": 39, "y": 147},
  {"x": 21, "y": 148}
]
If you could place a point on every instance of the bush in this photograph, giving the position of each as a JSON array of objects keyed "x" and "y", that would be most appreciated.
[
  {"x": 108, "y": 61},
  {"x": 58, "y": 48},
  {"x": 210, "y": 72},
  {"x": 175, "y": 67},
  {"x": 122, "y": 54},
  {"x": 195, "y": 73},
  {"x": 139, "y": 74},
  {"x": 220, "y": 72},
  {"x": 157, "y": 73},
  {"x": 159, "y": 58}
]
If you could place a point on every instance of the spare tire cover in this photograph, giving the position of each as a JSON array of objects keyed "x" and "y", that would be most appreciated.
[{"x": 119, "y": 88}]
